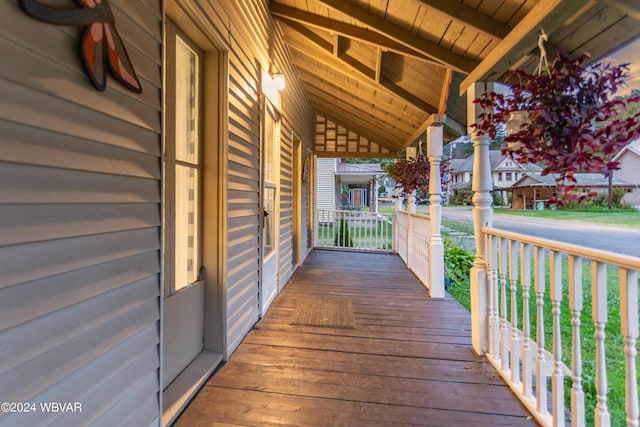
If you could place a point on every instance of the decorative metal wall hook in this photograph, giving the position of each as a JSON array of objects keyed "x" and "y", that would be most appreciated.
[{"x": 100, "y": 39}]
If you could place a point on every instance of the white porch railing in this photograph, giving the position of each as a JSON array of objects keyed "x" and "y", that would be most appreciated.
[
  {"x": 401, "y": 235},
  {"x": 413, "y": 232},
  {"x": 572, "y": 313},
  {"x": 364, "y": 231}
]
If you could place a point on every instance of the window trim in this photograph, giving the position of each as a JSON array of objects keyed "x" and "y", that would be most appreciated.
[{"x": 170, "y": 162}]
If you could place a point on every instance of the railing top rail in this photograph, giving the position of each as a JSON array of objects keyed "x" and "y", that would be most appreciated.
[
  {"x": 620, "y": 260},
  {"x": 425, "y": 216}
]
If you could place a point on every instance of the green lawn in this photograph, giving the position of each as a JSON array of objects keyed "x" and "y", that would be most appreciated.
[{"x": 625, "y": 218}]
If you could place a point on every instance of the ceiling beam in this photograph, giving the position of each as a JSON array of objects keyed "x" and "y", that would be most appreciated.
[
  {"x": 469, "y": 17},
  {"x": 433, "y": 120},
  {"x": 309, "y": 48},
  {"x": 338, "y": 28},
  {"x": 444, "y": 93},
  {"x": 378, "y": 64},
  {"x": 548, "y": 14},
  {"x": 403, "y": 36}
]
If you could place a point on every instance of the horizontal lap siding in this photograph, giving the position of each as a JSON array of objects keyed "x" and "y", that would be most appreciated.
[
  {"x": 80, "y": 220},
  {"x": 255, "y": 41}
]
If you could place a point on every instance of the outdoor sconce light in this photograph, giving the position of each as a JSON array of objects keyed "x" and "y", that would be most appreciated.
[
  {"x": 272, "y": 85},
  {"x": 411, "y": 152},
  {"x": 278, "y": 81}
]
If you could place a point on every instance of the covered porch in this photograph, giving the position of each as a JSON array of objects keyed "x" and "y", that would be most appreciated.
[{"x": 407, "y": 361}]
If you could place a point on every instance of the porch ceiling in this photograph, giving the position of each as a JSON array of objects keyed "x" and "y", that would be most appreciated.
[{"x": 383, "y": 70}]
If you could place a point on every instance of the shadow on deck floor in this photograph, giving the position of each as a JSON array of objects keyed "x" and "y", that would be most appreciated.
[{"x": 407, "y": 362}]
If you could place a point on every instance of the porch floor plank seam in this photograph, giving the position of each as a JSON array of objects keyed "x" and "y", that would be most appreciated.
[{"x": 407, "y": 362}]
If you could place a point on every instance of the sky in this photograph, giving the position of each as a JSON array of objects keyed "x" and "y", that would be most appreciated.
[{"x": 630, "y": 54}]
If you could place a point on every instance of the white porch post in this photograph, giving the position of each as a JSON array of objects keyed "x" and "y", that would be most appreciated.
[
  {"x": 436, "y": 247},
  {"x": 398, "y": 198},
  {"x": 482, "y": 217}
]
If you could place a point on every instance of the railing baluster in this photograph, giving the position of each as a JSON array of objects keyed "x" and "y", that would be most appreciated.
[
  {"x": 541, "y": 364},
  {"x": 629, "y": 329},
  {"x": 599, "y": 294},
  {"x": 557, "y": 379},
  {"x": 527, "y": 357},
  {"x": 575, "y": 304},
  {"x": 515, "y": 338},
  {"x": 491, "y": 256},
  {"x": 504, "y": 329}
]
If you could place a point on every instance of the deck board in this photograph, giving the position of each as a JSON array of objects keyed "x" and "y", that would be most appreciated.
[{"x": 407, "y": 362}]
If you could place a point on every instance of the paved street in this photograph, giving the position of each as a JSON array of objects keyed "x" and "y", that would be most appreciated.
[{"x": 606, "y": 237}]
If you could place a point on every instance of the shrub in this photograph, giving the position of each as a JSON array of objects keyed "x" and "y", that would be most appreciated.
[
  {"x": 458, "y": 262},
  {"x": 342, "y": 237}
]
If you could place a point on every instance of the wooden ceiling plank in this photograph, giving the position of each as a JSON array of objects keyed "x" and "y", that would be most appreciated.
[
  {"x": 522, "y": 39},
  {"x": 469, "y": 17},
  {"x": 630, "y": 7},
  {"x": 370, "y": 127},
  {"x": 366, "y": 128},
  {"x": 329, "y": 60},
  {"x": 361, "y": 107},
  {"x": 403, "y": 36},
  {"x": 408, "y": 95},
  {"x": 318, "y": 79},
  {"x": 291, "y": 14}
]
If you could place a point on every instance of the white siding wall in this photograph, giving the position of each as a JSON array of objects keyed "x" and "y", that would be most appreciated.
[
  {"x": 325, "y": 183},
  {"x": 79, "y": 224},
  {"x": 630, "y": 172},
  {"x": 254, "y": 42}
]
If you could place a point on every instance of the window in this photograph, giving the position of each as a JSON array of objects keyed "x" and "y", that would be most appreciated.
[
  {"x": 183, "y": 164},
  {"x": 499, "y": 176},
  {"x": 508, "y": 176},
  {"x": 271, "y": 142}
]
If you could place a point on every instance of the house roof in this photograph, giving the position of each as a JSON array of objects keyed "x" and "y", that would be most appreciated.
[
  {"x": 496, "y": 158},
  {"x": 632, "y": 147},
  {"x": 359, "y": 169},
  {"x": 378, "y": 72},
  {"x": 582, "y": 180}
]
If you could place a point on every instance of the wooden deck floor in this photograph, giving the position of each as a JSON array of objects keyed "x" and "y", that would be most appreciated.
[{"x": 407, "y": 362}]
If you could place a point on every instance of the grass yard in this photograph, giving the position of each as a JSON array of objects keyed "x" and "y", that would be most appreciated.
[{"x": 625, "y": 218}]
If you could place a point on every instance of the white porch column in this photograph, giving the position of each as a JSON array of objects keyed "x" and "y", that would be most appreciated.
[
  {"x": 411, "y": 153},
  {"x": 436, "y": 246},
  {"x": 398, "y": 198},
  {"x": 411, "y": 203},
  {"x": 482, "y": 217}
]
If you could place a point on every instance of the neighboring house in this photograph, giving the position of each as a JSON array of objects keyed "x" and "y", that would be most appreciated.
[
  {"x": 361, "y": 180},
  {"x": 327, "y": 190},
  {"x": 629, "y": 158},
  {"x": 504, "y": 171},
  {"x": 533, "y": 191}
]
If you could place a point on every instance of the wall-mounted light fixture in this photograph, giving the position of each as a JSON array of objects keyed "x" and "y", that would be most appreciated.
[
  {"x": 278, "y": 81},
  {"x": 272, "y": 84}
]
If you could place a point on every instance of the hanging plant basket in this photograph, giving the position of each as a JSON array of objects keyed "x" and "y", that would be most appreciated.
[
  {"x": 413, "y": 174},
  {"x": 565, "y": 119}
]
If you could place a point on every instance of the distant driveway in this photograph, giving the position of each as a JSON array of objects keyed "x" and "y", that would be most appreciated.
[{"x": 606, "y": 237}]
